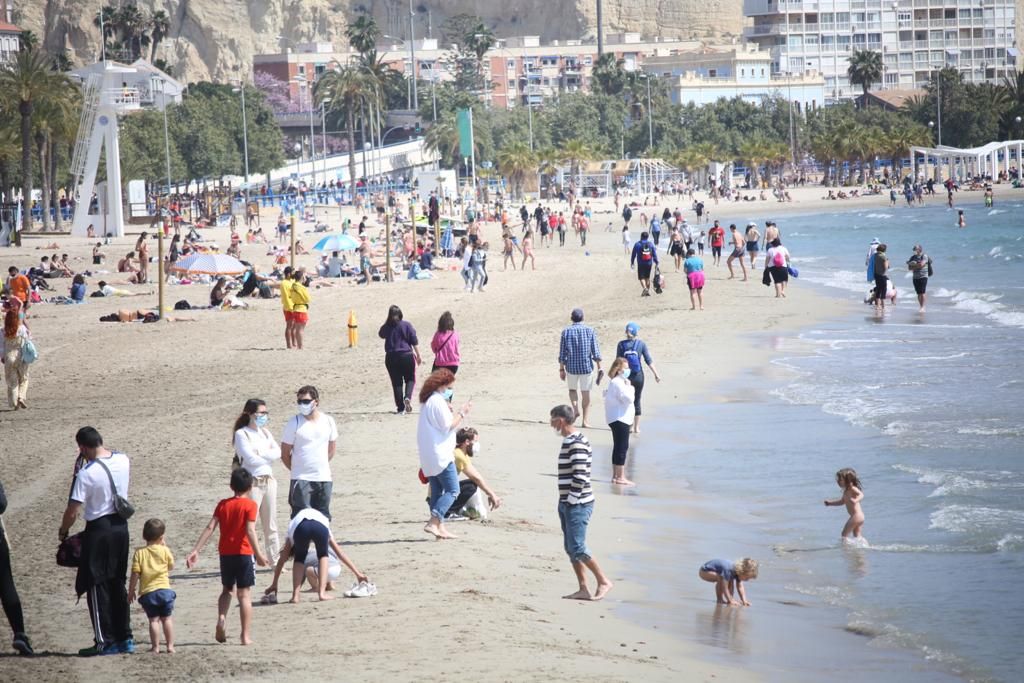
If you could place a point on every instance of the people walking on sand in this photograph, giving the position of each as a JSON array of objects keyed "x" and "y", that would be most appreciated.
[
  {"x": 694, "y": 268},
  {"x": 103, "y": 567},
  {"x": 8, "y": 592},
  {"x": 528, "y": 251},
  {"x": 257, "y": 451},
  {"x": 619, "y": 413},
  {"x": 576, "y": 503},
  {"x": 308, "y": 445},
  {"x": 644, "y": 257},
  {"x": 300, "y": 306},
  {"x": 675, "y": 247},
  {"x": 151, "y": 565},
  {"x": 716, "y": 235},
  {"x": 881, "y": 273},
  {"x": 436, "y": 440},
  {"x": 920, "y": 265},
  {"x": 627, "y": 242},
  {"x": 15, "y": 355},
  {"x": 401, "y": 357},
  {"x": 853, "y": 494},
  {"x": 738, "y": 251},
  {"x": 508, "y": 251},
  {"x": 285, "y": 289},
  {"x": 636, "y": 353},
  {"x": 771, "y": 233},
  {"x": 445, "y": 344},
  {"x": 728, "y": 578},
  {"x": 478, "y": 267},
  {"x": 578, "y": 353},
  {"x": 142, "y": 277},
  {"x": 752, "y": 237},
  {"x": 238, "y": 549},
  {"x": 776, "y": 260}
]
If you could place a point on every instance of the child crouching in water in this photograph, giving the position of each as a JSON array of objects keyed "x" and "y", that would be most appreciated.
[
  {"x": 237, "y": 519},
  {"x": 150, "y": 566},
  {"x": 725, "y": 575},
  {"x": 852, "y": 495}
]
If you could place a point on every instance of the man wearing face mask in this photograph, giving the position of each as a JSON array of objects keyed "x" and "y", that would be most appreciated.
[
  {"x": 307, "y": 447},
  {"x": 468, "y": 446}
]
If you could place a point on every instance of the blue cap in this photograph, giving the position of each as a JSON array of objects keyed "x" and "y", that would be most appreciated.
[{"x": 632, "y": 329}]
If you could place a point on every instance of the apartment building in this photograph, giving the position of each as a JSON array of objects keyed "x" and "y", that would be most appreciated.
[
  {"x": 915, "y": 37},
  {"x": 10, "y": 35}
]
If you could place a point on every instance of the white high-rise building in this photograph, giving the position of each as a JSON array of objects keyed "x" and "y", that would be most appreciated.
[{"x": 915, "y": 37}]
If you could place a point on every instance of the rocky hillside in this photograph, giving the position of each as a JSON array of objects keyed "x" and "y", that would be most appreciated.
[{"x": 216, "y": 39}]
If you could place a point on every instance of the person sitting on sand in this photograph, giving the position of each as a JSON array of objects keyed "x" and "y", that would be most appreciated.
[
  {"x": 219, "y": 293},
  {"x": 125, "y": 265},
  {"x": 727, "y": 575},
  {"x": 310, "y": 527},
  {"x": 97, "y": 254},
  {"x": 468, "y": 446}
]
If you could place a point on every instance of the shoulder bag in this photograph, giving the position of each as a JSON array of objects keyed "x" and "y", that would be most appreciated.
[{"x": 123, "y": 508}]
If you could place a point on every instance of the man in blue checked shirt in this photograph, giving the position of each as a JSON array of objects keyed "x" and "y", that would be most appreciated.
[{"x": 577, "y": 355}]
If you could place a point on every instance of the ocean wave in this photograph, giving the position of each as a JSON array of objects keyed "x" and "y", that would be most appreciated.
[
  {"x": 995, "y": 212},
  {"x": 848, "y": 280},
  {"x": 961, "y": 482},
  {"x": 983, "y": 303},
  {"x": 972, "y": 519},
  {"x": 991, "y": 431},
  {"x": 879, "y": 215},
  {"x": 995, "y": 251},
  {"x": 950, "y": 357}
]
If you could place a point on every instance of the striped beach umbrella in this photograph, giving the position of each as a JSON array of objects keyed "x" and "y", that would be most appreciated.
[
  {"x": 343, "y": 242},
  {"x": 209, "y": 264}
]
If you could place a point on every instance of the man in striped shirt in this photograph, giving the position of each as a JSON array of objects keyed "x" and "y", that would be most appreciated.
[{"x": 576, "y": 502}]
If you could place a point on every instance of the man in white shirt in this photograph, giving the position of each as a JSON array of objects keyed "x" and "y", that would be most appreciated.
[
  {"x": 334, "y": 265},
  {"x": 307, "y": 447},
  {"x": 103, "y": 569}
]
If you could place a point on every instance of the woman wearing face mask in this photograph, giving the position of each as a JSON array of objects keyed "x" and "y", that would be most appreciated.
[
  {"x": 618, "y": 410},
  {"x": 435, "y": 438},
  {"x": 401, "y": 356},
  {"x": 256, "y": 450}
]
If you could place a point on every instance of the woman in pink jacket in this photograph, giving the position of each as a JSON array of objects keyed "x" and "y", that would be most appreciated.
[{"x": 445, "y": 344}]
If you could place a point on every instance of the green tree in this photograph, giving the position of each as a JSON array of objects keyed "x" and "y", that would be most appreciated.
[
  {"x": 575, "y": 152},
  {"x": 347, "y": 91},
  {"x": 27, "y": 79},
  {"x": 159, "y": 28},
  {"x": 608, "y": 74},
  {"x": 515, "y": 161},
  {"x": 28, "y": 41},
  {"x": 865, "y": 68},
  {"x": 363, "y": 34}
]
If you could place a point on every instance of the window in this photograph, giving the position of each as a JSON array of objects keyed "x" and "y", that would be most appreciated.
[
  {"x": 743, "y": 72},
  {"x": 712, "y": 73},
  {"x": 588, "y": 60},
  {"x": 511, "y": 64}
]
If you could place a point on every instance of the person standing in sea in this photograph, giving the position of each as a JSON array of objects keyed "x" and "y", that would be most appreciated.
[
  {"x": 881, "y": 270},
  {"x": 577, "y": 354},
  {"x": 920, "y": 264},
  {"x": 738, "y": 251},
  {"x": 576, "y": 502}
]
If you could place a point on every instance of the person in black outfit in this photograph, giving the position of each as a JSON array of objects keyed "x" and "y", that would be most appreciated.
[
  {"x": 8, "y": 592},
  {"x": 401, "y": 356}
]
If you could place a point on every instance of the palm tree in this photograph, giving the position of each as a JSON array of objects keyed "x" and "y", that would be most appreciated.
[
  {"x": 692, "y": 160},
  {"x": 752, "y": 154},
  {"x": 159, "y": 28},
  {"x": 347, "y": 90},
  {"x": 27, "y": 79},
  {"x": 28, "y": 40},
  {"x": 514, "y": 162},
  {"x": 576, "y": 151},
  {"x": 865, "y": 69},
  {"x": 9, "y": 149},
  {"x": 363, "y": 34},
  {"x": 133, "y": 25},
  {"x": 548, "y": 159},
  {"x": 826, "y": 147},
  {"x": 899, "y": 141},
  {"x": 480, "y": 41}
]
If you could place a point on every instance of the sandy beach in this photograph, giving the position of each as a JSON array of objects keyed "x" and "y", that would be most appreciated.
[{"x": 486, "y": 605}]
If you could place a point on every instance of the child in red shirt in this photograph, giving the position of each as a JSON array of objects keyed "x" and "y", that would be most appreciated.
[{"x": 237, "y": 519}]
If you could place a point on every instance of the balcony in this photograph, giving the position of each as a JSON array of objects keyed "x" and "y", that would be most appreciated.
[{"x": 764, "y": 30}]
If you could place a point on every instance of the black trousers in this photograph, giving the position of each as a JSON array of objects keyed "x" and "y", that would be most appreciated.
[
  {"x": 467, "y": 489},
  {"x": 108, "y": 610},
  {"x": 102, "y": 578},
  {"x": 402, "y": 371},
  {"x": 620, "y": 441},
  {"x": 637, "y": 380},
  {"x": 8, "y": 593}
]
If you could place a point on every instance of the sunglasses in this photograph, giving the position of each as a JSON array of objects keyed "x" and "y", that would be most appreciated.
[{"x": 305, "y": 401}]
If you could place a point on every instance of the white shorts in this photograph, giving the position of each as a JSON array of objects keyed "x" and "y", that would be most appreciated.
[{"x": 580, "y": 382}]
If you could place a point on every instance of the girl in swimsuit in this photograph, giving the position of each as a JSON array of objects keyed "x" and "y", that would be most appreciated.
[
  {"x": 853, "y": 494},
  {"x": 528, "y": 251},
  {"x": 508, "y": 251},
  {"x": 675, "y": 247}
]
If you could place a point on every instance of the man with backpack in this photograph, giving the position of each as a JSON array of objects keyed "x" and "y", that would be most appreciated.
[
  {"x": 634, "y": 350},
  {"x": 645, "y": 257}
]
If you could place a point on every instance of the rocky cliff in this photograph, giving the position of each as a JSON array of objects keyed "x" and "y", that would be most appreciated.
[{"x": 216, "y": 39}]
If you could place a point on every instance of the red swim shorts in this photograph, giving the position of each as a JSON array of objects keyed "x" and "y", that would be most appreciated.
[
  {"x": 289, "y": 316},
  {"x": 300, "y": 317}
]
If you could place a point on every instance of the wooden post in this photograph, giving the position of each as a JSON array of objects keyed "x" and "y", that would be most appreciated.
[
  {"x": 387, "y": 246},
  {"x": 293, "y": 240},
  {"x": 160, "y": 268}
]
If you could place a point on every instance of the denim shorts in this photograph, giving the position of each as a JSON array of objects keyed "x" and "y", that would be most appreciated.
[
  {"x": 237, "y": 570},
  {"x": 158, "y": 603},
  {"x": 574, "y": 519}
]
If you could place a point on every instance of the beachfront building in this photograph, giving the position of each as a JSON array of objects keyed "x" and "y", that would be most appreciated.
[
  {"x": 915, "y": 37},
  {"x": 10, "y": 35},
  {"x": 985, "y": 162},
  {"x": 146, "y": 85},
  {"x": 521, "y": 70},
  {"x": 708, "y": 74}
]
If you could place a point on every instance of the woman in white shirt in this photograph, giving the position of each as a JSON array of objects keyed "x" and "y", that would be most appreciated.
[
  {"x": 256, "y": 450},
  {"x": 435, "y": 438},
  {"x": 777, "y": 263},
  {"x": 619, "y": 412}
]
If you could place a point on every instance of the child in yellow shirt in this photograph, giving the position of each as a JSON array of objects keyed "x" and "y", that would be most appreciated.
[{"x": 150, "y": 566}]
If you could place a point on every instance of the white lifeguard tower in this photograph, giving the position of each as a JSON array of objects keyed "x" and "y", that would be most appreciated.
[{"x": 106, "y": 95}]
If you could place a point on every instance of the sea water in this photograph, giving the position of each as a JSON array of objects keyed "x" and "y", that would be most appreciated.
[{"x": 928, "y": 408}]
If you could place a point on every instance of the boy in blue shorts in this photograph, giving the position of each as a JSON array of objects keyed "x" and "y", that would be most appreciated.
[
  {"x": 150, "y": 566},
  {"x": 238, "y": 545}
]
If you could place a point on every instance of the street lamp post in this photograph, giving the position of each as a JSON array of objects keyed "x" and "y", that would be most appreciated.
[
  {"x": 160, "y": 230},
  {"x": 650, "y": 113},
  {"x": 245, "y": 139},
  {"x": 312, "y": 139},
  {"x": 938, "y": 103},
  {"x": 412, "y": 56}
]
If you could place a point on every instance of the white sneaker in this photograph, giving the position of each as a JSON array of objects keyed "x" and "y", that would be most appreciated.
[{"x": 363, "y": 589}]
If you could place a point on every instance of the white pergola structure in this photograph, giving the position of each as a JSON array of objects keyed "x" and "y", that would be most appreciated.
[{"x": 961, "y": 164}]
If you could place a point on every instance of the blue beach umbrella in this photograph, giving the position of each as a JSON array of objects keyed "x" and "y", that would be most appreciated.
[
  {"x": 343, "y": 242},
  {"x": 447, "y": 240}
]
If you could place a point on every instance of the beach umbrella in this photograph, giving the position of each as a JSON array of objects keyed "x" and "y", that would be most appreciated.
[
  {"x": 209, "y": 264},
  {"x": 343, "y": 242}
]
